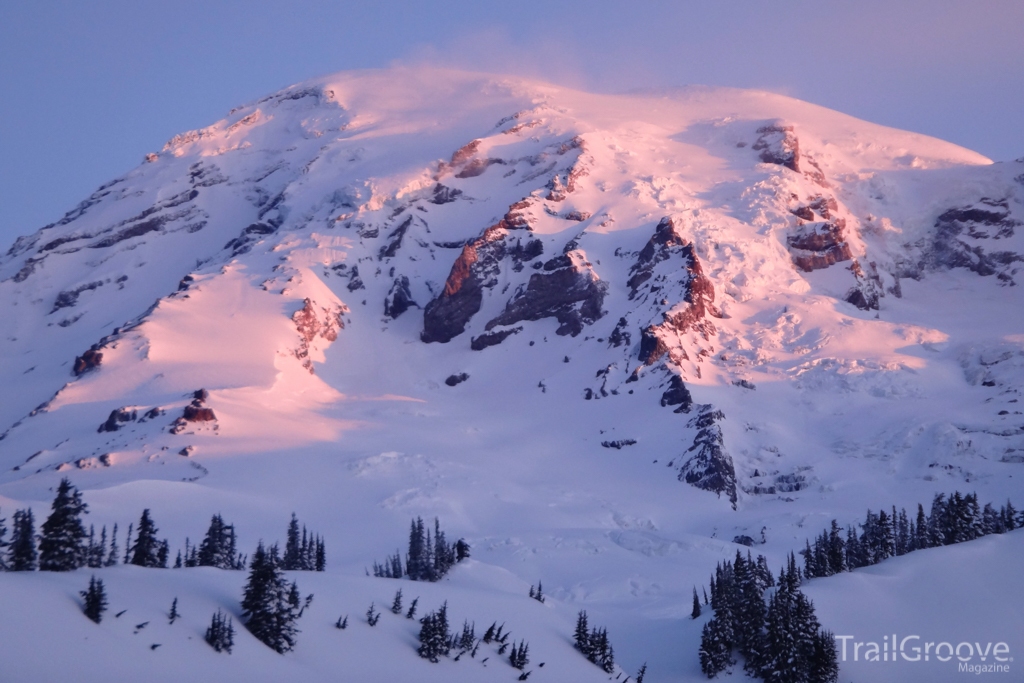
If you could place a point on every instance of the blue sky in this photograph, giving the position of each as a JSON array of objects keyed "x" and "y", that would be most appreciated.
[{"x": 87, "y": 88}]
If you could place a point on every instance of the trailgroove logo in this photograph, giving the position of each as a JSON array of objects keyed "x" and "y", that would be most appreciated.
[{"x": 976, "y": 658}]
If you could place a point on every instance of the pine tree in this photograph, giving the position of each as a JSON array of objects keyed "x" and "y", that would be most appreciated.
[
  {"x": 414, "y": 561},
  {"x": 113, "y": 552},
  {"x": 146, "y": 551},
  {"x": 372, "y": 616},
  {"x": 217, "y": 549},
  {"x": 321, "y": 555},
  {"x": 128, "y": 544},
  {"x": 715, "y": 648},
  {"x": 836, "y": 549},
  {"x": 291, "y": 559},
  {"x": 95, "y": 600},
  {"x": 581, "y": 636},
  {"x": 396, "y": 604},
  {"x": 22, "y": 551},
  {"x": 411, "y": 614},
  {"x": 270, "y": 615},
  {"x": 3, "y": 546},
  {"x": 824, "y": 665},
  {"x": 173, "y": 614},
  {"x": 461, "y": 550},
  {"x": 695, "y": 613},
  {"x": 62, "y": 543},
  {"x": 468, "y": 637},
  {"x": 519, "y": 657},
  {"x": 641, "y": 673},
  {"x": 435, "y": 640},
  {"x": 221, "y": 633}
]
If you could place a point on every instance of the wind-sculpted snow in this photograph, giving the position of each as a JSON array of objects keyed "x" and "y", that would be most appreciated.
[{"x": 770, "y": 312}]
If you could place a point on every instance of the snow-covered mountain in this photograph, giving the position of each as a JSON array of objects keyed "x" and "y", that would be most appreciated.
[{"x": 598, "y": 336}]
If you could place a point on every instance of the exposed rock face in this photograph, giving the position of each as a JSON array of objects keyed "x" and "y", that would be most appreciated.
[
  {"x": 778, "y": 144},
  {"x": 570, "y": 292},
  {"x": 454, "y": 380},
  {"x": 819, "y": 242},
  {"x": 698, "y": 296},
  {"x": 708, "y": 465},
  {"x": 657, "y": 249},
  {"x": 677, "y": 395},
  {"x": 87, "y": 361},
  {"x": 477, "y": 267},
  {"x": 399, "y": 298},
  {"x": 395, "y": 238},
  {"x": 493, "y": 338},
  {"x": 70, "y": 297},
  {"x": 962, "y": 235},
  {"x": 312, "y": 321},
  {"x": 117, "y": 418},
  {"x": 194, "y": 412}
]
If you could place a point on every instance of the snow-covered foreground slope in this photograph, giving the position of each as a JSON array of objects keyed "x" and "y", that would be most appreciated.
[
  {"x": 955, "y": 594},
  {"x": 598, "y": 336}
]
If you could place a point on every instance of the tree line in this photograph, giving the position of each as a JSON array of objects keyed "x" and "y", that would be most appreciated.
[
  {"x": 63, "y": 544},
  {"x": 428, "y": 558},
  {"x": 952, "y": 519}
]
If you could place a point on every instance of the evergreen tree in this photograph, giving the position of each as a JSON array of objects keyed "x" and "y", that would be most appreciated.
[
  {"x": 22, "y": 551},
  {"x": 291, "y": 547},
  {"x": 715, "y": 648},
  {"x": 372, "y": 616},
  {"x": 270, "y": 615},
  {"x": 461, "y": 550},
  {"x": 411, "y": 614},
  {"x": 435, "y": 640},
  {"x": 468, "y": 637},
  {"x": 836, "y": 549},
  {"x": 95, "y": 599},
  {"x": 217, "y": 549},
  {"x": 146, "y": 551},
  {"x": 519, "y": 657},
  {"x": 695, "y": 613},
  {"x": 3, "y": 546},
  {"x": 173, "y": 614},
  {"x": 221, "y": 633},
  {"x": 581, "y": 635},
  {"x": 113, "y": 552},
  {"x": 62, "y": 543},
  {"x": 921, "y": 536},
  {"x": 321, "y": 555},
  {"x": 417, "y": 549},
  {"x": 824, "y": 665},
  {"x": 396, "y": 604},
  {"x": 641, "y": 673}
]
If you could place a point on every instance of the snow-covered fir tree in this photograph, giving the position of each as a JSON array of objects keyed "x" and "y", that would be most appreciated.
[{"x": 62, "y": 544}]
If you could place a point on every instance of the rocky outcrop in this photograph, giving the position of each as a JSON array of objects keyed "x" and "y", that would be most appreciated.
[
  {"x": 570, "y": 291},
  {"x": 677, "y": 395},
  {"x": 778, "y": 144},
  {"x": 89, "y": 360},
  {"x": 313, "y": 321},
  {"x": 395, "y": 239},
  {"x": 818, "y": 241},
  {"x": 476, "y": 268},
  {"x": 455, "y": 380},
  {"x": 708, "y": 466},
  {"x": 399, "y": 298},
  {"x": 964, "y": 235},
  {"x": 493, "y": 338},
  {"x": 698, "y": 295},
  {"x": 118, "y": 418},
  {"x": 196, "y": 411},
  {"x": 657, "y": 249}
]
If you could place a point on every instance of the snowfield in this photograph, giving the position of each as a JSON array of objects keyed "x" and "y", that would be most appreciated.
[{"x": 682, "y": 317}]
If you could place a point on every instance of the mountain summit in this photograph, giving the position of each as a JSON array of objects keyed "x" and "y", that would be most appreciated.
[{"x": 568, "y": 323}]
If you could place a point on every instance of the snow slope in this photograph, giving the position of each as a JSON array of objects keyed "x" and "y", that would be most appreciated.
[{"x": 836, "y": 298}]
